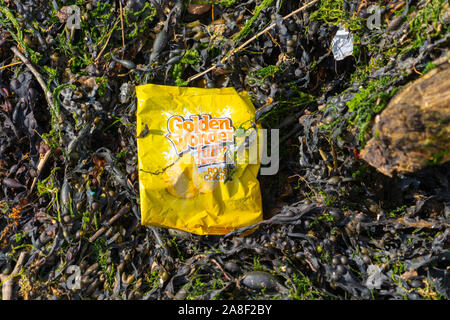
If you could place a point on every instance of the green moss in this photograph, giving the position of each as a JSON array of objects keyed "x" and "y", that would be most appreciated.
[
  {"x": 267, "y": 72},
  {"x": 9, "y": 15},
  {"x": 328, "y": 128},
  {"x": 257, "y": 264},
  {"x": 246, "y": 30},
  {"x": 99, "y": 30},
  {"x": 365, "y": 69},
  {"x": 424, "y": 23},
  {"x": 284, "y": 109},
  {"x": 103, "y": 10},
  {"x": 227, "y": 2},
  {"x": 152, "y": 279},
  {"x": 329, "y": 11},
  {"x": 102, "y": 83},
  {"x": 53, "y": 74},
  {"x": 327, "y": 216},
  {"x": 368, "y": 102},
  {"x": 191, "y": 57},
  {"x": 328, "y": 199},
  {"x": 198, "y": 288},
  {"x": 394, "y": 213},
  {"x": 361, "y": 171},
  {"x": 428, "y": 67},
  {"x": 176, "y": 72},
  {"x": 438, "y": 157},
  {"x": 19, "y": 237},
  {"x": 260, "y": 75},
  {"x": 100, "y": 250},
  {"x": 332, "y": 12},
  {"x": 140, "y": 21},
  {"x": 398, "y": 267},
  {"x": 18, "y": 35},
  {"x": 304, "y": 288}
]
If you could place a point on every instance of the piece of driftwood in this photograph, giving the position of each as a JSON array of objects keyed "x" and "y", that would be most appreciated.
[
  {"x": 414, "y": 129},
  {"x": 8, "y": 281}
]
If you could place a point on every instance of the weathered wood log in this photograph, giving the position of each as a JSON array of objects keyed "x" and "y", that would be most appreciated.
[{"x": 414, "y": 129}]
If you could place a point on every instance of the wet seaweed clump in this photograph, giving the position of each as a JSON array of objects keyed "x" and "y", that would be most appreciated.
[{"x": 334, "y": 226}]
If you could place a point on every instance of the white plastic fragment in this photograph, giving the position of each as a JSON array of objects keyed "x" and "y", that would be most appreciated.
[
  {"x": 125, "y": 92},
  {"x": 342, "y": 44},
  {"x": 375, "y": 277}
]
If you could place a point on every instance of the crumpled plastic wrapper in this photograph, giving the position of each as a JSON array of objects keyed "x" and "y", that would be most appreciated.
[
  {"x": 342, "y": 44},
  {"x": 189, "y": 178},
  {"x": 375, "y": 277}
]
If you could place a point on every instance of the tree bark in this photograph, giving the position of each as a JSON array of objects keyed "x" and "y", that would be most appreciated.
[{"x": 413, "y": 131}]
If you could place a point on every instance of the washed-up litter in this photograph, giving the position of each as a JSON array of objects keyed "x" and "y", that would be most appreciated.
[
  {"x": 193, "y": 175},
  {"x": 342, "y": 44}
]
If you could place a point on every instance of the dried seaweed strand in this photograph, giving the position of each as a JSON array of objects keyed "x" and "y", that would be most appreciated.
[
  {"x": 107, "y": 41},
  {"x": 125, "y": 209}
]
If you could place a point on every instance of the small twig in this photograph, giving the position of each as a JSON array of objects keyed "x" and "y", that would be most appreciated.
[
  {"x": 221, "y": 269},
  {"x": 325, "y": 159},
  {"x": 121, "y": 25},
  {"x": 41, "y": 165},
  {"x": 48, "y": 94},
  {"x": 306, "y": 182},
  {"x": 11, "y": 64},
  {"x": 125, "y": 209},
  {"x": 107, "y": 41},
  {"x": 233, "y": 51},
  {"x": 310, "y": 265},
  {"x": 415, "y": 70}
]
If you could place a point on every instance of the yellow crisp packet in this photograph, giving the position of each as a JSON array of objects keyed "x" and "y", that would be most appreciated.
[{"x": 187, "y": 140}]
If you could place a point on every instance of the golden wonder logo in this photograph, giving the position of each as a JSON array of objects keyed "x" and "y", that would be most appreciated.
[{"x": 201, "y": 135}]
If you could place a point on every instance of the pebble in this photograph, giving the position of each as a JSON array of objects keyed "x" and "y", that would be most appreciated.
[{"x": 341, "y": 269}]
